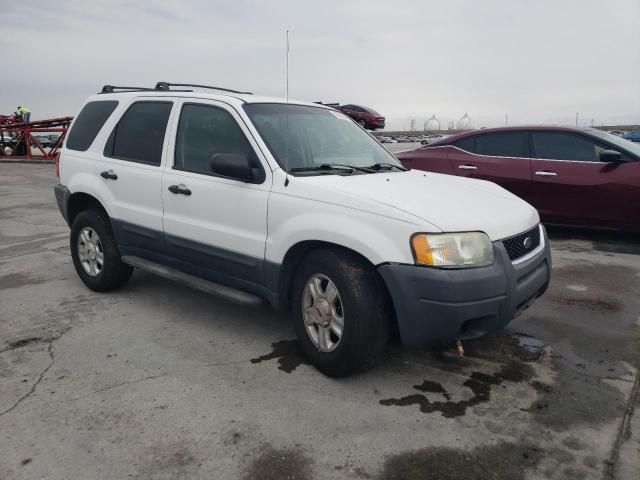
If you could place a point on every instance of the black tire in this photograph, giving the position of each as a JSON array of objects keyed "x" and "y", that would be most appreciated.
[
  {"x": 365, "y": 308},
  {"x": 114, "y": 273},
  {"x": 362, "y": 123}
]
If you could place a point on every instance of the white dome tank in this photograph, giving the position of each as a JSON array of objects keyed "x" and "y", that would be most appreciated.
[
  {"x": 465, "y": 123},
  {"x": 432, "y": 124}
]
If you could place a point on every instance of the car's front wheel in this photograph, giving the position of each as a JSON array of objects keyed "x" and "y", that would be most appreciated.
[
  {"x": 340, "y": 312},
  {"x": 95, "y": 253}
]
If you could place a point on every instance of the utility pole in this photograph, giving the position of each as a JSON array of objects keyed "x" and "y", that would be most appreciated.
[
  {"x": 576, "y": 119},
  {"x": 506, "y": 119}
]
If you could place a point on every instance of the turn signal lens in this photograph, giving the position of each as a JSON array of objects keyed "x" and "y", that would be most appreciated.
[{"x": 452, "y": 250}]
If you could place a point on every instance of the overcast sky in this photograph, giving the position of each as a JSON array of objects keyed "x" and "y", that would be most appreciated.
[{"x": 537, "y": 61}]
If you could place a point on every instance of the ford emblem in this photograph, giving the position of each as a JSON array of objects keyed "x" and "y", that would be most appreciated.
[{"x": 527, "y": 243}]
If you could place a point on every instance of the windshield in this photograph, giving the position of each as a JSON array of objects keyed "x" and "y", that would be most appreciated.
[
  {"x": 305, "y": 137},
  {"x": 624, "y": 144}
]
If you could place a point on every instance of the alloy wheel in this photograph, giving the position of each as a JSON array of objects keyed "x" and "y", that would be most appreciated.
[
  {"x": 322, "y": 312},
  {"x": 90, "y": 251}
]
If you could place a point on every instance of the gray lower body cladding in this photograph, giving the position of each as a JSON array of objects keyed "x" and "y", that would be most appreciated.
[
  {"x": 436, "y": 306},
  {"x": 62, "y": 198}
]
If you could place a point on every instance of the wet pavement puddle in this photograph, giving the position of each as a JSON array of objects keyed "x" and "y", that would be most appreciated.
[
  {"x": 288, "y": 354},
  {"x": 479, "y": 383}
]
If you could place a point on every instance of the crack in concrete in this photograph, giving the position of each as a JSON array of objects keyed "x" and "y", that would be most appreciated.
[
  {"x": 50, "y": 238},
  {"x": 37, "y": 382},
  {"x": 55, "y": 250},
  {"x": 624, "y": 430},
  {"x": 153, "y": 377},
  {"x": 13, "y": 219}
]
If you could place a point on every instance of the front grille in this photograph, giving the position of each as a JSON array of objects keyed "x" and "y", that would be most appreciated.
[{"x": 519, "y": 246}]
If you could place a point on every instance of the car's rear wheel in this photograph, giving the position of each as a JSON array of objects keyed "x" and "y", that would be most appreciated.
[
  {"x": 340, "y": 312},
  {"x": 95, "y": 253},
  {"x": 362, "y": 123}
]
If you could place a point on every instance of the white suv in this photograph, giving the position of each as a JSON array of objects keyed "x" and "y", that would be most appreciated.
[{"x": 252, "y": 197}]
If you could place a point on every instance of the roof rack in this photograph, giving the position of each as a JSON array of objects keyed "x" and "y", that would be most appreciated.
[
  {"x": 333, "y": 104},
  {"x": 114, "y": 88},
  {"x": 167, "y": 85}
]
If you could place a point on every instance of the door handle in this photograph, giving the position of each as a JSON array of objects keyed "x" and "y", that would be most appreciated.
[
  {"x": 467, "y": 167},
  {"x": 109, "y": 174},
  {"x": 180, "y": 189},
  {"x": 546, "y": 174}
]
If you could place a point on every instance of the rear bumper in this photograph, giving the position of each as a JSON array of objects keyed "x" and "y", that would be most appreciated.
[
  {"x": 435, "y": 306},
  {"x": 62, "y": 197}
]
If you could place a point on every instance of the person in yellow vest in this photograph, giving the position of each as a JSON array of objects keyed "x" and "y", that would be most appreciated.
[{"x": 25, "y": 113}]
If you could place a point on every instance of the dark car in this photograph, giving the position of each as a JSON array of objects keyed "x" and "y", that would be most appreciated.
[
  {"x": 47, "y": 141},
  {"x": 365, "y": 116},
  {"x": 580, "y": 177},
  {"x": 633, "y": 136}
]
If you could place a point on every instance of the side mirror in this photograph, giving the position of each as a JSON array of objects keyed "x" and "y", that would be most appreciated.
[
  {"x": 611, "y": 156},
  {"x": 233, "y": 166}
]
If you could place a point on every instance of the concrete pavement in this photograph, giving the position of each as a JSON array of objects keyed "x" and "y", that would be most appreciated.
[{"x": 159, "y": 381}]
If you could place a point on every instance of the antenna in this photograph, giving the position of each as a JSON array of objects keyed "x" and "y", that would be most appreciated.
[
  {"x": 287, "y": 66},
  {"x": 286, "y": 116}
]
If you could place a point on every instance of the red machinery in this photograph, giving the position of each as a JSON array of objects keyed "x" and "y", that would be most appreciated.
[{"x": 37, "y": 140}]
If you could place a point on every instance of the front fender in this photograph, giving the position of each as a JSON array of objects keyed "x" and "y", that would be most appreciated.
[{"x": 379, "y": 239}]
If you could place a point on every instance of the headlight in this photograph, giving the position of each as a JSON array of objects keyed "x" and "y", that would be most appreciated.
[{"x": 452, "y": 250}]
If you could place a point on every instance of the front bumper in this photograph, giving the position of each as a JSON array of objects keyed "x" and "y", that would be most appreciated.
[{"x": 436, "y": 306}]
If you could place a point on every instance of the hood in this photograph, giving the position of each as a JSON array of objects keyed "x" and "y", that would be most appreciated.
[{"x": 452, "y": 204}]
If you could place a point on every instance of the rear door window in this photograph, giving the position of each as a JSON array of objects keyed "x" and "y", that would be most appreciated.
[
  {"x": 88, "y": 123},
  {"x": 565, "y": 146},
  {"x": 139, "y": 135},
  {"x": 511, "y": 144}
]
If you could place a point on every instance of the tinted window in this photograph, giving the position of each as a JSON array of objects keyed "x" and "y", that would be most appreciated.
[
  {"x": 564, "y": 146},
  {"x": 205, "y": 131},
  {"x": 465, "y": 144},
  {"x": 513, "y": 144},
  {"x": 139, "y": 135},
  {"x": 88, "y": 123}
]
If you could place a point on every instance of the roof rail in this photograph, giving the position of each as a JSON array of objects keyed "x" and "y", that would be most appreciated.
[
  {"x": 114, "y": 88},
  {"x": 333, "y": 104},
  {"x": 167, "y": 85}
]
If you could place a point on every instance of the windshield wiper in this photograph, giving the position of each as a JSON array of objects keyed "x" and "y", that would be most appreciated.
[
  {"x": 386, "y": 166},
  {"x": 331, "y": 166}
]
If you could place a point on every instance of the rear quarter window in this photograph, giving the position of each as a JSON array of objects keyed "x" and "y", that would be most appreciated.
[{"x": 88, "y": 123}]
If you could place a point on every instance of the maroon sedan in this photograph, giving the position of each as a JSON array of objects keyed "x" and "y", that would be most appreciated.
[
  {"x": 578, "y": 177},
  {"x": 365, "y": 116}
]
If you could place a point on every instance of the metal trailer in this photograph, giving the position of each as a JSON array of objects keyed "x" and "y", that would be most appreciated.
[{"x": 18, "y": 140}]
